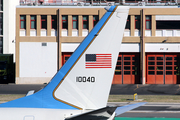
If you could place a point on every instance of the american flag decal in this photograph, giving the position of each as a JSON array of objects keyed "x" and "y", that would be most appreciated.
[{"x": 98, "y": 61}]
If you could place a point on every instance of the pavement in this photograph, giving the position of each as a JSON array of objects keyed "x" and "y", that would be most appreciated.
[
  {"x": 149, "y": 89},
  {"x": 115, "y": 89}
]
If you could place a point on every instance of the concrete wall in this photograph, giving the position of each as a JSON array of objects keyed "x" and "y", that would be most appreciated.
[
  {"x": 9, "y": 26},
  {"x": 38, "y": 63}
]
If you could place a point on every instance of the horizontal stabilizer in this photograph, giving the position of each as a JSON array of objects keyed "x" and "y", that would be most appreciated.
[
  {"x": 30, "y": 92},
  {"x": 100, "y": 114},
  {"x": 123, "y": 109}
]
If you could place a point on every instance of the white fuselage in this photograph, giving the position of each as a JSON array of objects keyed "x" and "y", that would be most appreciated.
[{"x": 36, "y": 113}]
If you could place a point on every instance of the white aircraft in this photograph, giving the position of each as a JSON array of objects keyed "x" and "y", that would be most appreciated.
[{"x": 80, "y": 89}]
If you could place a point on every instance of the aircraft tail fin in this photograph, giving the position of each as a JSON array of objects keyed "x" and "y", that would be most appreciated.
[{"x": 93, "y": 63}]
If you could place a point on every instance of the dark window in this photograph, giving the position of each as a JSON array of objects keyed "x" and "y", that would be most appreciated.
[
  {"x": 22, "y": 22},
  {"x": 168, "y": 68},
  {"x": 148, "y": 22},
  {"x": 159, "y": 58},
  {"x": 126, "y": 68},
  {"x": 33, "y": 21},
  {"x": 1, "y": 45},
  {"x": 127, "y": 58},
  {"x": 159, "y": 68},
  {"x": 159, "y": 72},
  {"x": 54, "y": 21},
  {"x": 168, "y": 72},
  {"x": 168, "y": 58},
  {"x": 128, "y": 23},
  {"x": 150, "y": 63},
  {"x": 137, "y": 22},
  {"x": 150, "y": 72},
  {"x": 159, "y": 63},
  {"x": 64, "y": 22},
  {"x": 43, "y": 21},
  {"x": 85, "y": 22},
  {"x": 75, "y": 21},
  {"x": 127, "y": 72},
  {"x": 1, "y": 5},
  {"x": 1, "y": 23},
  {"x": 151, "y": 58},
  {"x": 168, "y": 63},
  {"x": 126, "y": 63},
  {"x": 150, "y": 68},
  {"x": 167, "y": 24},
  {"x": 95, "y": 19}
]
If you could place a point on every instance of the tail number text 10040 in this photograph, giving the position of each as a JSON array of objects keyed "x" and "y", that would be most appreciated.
[{"x": 85, "y": 79}]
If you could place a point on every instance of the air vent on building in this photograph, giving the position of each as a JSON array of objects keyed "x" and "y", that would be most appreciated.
[{"x": 44, "y": 44}]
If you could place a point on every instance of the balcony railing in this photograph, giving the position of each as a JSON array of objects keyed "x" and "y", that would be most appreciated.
[{"x": 99, "y": 2}]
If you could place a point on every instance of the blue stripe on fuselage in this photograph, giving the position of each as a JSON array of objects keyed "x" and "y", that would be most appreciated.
[{"x": 44, "y": 98}]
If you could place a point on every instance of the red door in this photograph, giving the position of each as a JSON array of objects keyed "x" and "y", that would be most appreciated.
[
  {"x": 127, "y": 69},
  {"x": 150, "y": 69},
  {"x": 159, "y": 69},
  {"x": 169, "y": 69},
  {"x": 163, "y": 68},
  {"x": 155, "y": 66}
]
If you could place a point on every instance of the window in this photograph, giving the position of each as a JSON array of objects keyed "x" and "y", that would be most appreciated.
[
  {"x": 54, "y": 22},
  {"x": 75, "y": 21},
  {"x": 1, "y": 45},
  {"x": 148, "y": 22},
  {"x": 85, "y": 22},
  {"x": 95, "y": 19},
  {"x": 128, "y": 23},
  {"x": 1, "y": 5},
  {"x": 167, "y": 24},
  {"x": 137, "y": 22},
  {"x": 43, "y": 21},
  {"x": 1, "y": 23},
  {"x": 22, "y": 22},
  {"x": 33, "y": 21},
  {"x": 64, "y": 22}
]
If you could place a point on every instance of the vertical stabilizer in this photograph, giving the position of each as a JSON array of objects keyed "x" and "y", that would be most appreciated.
[{"x": 87, "y": 83}]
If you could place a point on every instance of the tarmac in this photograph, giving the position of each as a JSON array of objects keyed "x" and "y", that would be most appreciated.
[{"x": 116, "y": 89}]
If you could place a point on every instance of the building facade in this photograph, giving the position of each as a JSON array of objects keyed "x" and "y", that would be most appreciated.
[
  {"x": 46, "y": 36},
  {"x": 8, "y": 26}
]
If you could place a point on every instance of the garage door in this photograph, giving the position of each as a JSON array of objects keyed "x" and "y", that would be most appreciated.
[
  {"x": 162, "y": 68},
  {"x": 127, "y": 69}
]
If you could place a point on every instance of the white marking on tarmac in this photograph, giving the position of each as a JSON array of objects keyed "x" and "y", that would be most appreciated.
[{"x": 151, "y": 111}]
